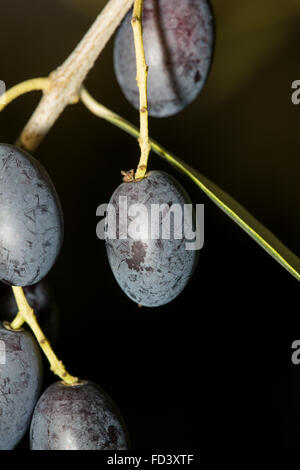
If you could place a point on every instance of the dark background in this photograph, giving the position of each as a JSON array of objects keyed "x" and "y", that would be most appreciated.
[{"x": 213, "y": 368}]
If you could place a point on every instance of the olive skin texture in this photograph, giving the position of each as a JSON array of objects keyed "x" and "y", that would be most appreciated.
[
  {"x": 31, "y": 221},
  {"x": 179, "y": 42},
  {"x": 20, "y": 384},
  {"x": 77, "y": 417},
  {"x": 151, "y": 270}
]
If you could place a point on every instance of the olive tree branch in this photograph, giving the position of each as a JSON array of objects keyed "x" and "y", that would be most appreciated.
[
  {"x": 67, "y": 79},
  {"x": 141, "y": 78}
]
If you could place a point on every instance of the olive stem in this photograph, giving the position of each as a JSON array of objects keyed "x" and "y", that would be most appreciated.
[
  {"x": 18, "y": 321},
  {"x": 141, "y": 78},
  {"x": 269, "y": 242},
  {"x": 14, "y": 92},
  {"x": 26, "y": 314}
]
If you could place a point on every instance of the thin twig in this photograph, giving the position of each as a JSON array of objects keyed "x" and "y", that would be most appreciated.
[
  {"x": 22, "y": 88},
  {"x": 26, "y": 313},
  {"x": 141, "y": 78}
]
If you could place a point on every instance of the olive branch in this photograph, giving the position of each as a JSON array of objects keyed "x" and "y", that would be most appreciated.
[{"x": 64, "y": 86}]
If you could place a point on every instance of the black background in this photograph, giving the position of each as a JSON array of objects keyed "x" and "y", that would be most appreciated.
[{"x": 213, "y": 368}]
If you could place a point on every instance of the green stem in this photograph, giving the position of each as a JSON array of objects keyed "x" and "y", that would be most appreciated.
[
  {"x": 26, "y": 314},
  {"x": 141, "y": 78},
  {"x": 34, "y": 84}
]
